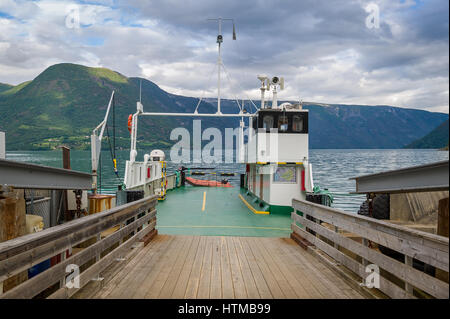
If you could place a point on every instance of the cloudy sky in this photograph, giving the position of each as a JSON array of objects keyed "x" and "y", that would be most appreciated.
[{"x": 363, "y": 52}]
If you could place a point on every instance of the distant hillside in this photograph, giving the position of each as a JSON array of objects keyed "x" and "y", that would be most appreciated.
[
  {"x": 362, "y": 126},
  {"x": 437, "y": 138},
  {"x": 359, "y": 126},
  {"x": 66, "y": 101},
  {"x": 4, "y": 87}
]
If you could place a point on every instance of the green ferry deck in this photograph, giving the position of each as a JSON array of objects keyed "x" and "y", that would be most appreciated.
[{"x": 217, "y": 211}]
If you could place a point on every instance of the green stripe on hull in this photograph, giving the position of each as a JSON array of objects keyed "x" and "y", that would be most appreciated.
[
  {"x": 257, "y": 203},
  {"x": 275, "y": 209}
]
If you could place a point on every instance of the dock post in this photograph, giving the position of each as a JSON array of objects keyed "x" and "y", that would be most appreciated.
[
  {"x": 66, "y": 165},
  {"x": 336, "y": 230},
  {"x": 12, "y": 225},
  {"x": 409, "y": 262},
  {"x": 97, "y": 259},
  {"x": 2, "y": 145},
  {"x": 365, "y": 243},
  {"x": 442, "y": 229},
  {"x": 62, "y": 282}
]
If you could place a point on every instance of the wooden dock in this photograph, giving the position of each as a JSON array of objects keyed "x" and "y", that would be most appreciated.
[
  {"x": 222, "y": 267},
  {"x": 117, "y": 253}
]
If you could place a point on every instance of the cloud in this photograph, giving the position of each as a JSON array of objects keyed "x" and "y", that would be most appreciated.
[{"x": 322, "y": 48}]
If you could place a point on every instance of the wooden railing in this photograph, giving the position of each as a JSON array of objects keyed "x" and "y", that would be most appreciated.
[
  {"x": 131, "y": 222},
  {"x": 331, "y": 231}
]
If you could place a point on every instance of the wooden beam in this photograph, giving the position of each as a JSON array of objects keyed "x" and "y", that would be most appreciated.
[
  {"x": 96, "y": 268},
  {"x": 442, "y": 230},
  {"x": 302, "y": 242},
  {"x": 385, "y": 286},
  {"x": 443, "y": 218},
  {"x": 52, "y": 275},
  {"x": 429, "y": 248},
  {"x": 419, "y": 279},
  {"x": 147, "y": 238},
  {"x": 33, "y": 256},
  {"x": 27, "y": 242}
]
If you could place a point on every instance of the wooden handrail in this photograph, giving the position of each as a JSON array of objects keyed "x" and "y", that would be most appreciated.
[
  {"x": 136, "y": 220},
  {"x": 428, "y": 248}
]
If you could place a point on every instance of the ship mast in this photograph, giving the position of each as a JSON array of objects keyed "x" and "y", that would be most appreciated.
[{"x": 219, "y": 58}]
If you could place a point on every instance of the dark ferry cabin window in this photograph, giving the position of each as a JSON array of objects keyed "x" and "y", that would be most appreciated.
[
  {"x": 268, "y": 122},
  {"x": 282, "y": 123},
  {"x": 297, "y": 123}
]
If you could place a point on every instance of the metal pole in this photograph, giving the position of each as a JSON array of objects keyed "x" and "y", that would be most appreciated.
[
  {"x": 66, "y": 165},
  {"x": 262, "y": 96},
  {"x": 199, "y": 114},
  {"x": 114, "y": 127},
  {"x": 219, "y": 62},
  {"x": 32, "y": 201},
  {"x": 2, "y": 145}
]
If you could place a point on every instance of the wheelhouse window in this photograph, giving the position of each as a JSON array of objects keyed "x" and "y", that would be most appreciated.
[
  {"x": 282, "y": 123},
  {"x": 297, "y": 123},
  {"x": 268, "y": 122}
]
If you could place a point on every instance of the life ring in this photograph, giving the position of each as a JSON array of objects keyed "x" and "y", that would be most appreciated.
[{"x": 130, "y": 121}]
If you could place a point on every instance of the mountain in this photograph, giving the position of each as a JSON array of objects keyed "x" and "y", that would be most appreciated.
[
  {"x": 359, "y": 126},
  {"x": 4, "y": 87},
  {"x": 362, "y": 126},
  {"x": 437, "y": 138},
  {"x": 63, "y": 104},
  {"x": 66, "y": 101}
]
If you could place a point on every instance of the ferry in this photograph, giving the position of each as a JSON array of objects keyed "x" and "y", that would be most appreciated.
[
  {"x": 172, "y": 235},
  {"x": 275, "y": 156}
]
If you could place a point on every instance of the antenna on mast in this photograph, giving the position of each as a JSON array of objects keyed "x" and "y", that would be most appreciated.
[
  {"x": 140, "y": 90},
  {"x": 219, "y": 59}
]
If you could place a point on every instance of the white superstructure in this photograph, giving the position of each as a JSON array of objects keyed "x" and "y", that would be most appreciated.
[{"x": 277, "y": 152}]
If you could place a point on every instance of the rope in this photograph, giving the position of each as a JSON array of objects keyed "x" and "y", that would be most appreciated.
[
  {"x": 231, "y": 84},
  {"x": 238, "y": 49},
  {"x": 240, "y": 87},
  {"x": 203, "y": 91}
]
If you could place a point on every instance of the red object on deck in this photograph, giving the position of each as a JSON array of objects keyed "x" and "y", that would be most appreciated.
[
  {"x": 303, "y": 181},
  {"x": 148, "y": 172},
  {"x": 202, "y": 182}
]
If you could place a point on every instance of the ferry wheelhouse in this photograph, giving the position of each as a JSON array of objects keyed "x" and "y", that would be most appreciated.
[{"x": 276, "y": 154}]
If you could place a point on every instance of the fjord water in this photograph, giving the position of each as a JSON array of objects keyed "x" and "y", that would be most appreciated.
[{"x": 331, "y": 168}]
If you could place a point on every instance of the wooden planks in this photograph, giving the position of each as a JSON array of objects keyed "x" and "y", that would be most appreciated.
[
  {"x": 224, "y": 267},
  {"x": 194, "y": 276},
  {"x": 215, "y": 290},
  {"x": 205, "y": 274}
]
